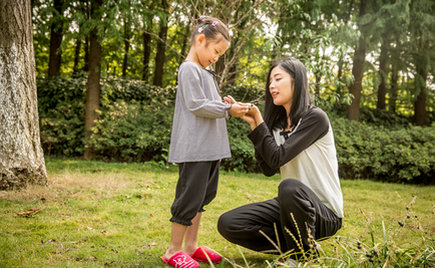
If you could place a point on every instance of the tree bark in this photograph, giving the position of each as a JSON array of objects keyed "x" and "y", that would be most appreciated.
[
  {"x": 56, "y": 35},
  {"x": 93, "y": 91},
  {"x": 161, "y": 48},
  {"x": 147, "y": 49},
  {"x": 21, "y": 155},
  {"x": 420, "y": 86},
  {"x": 340, "y": 72},
  {"x": 357, "y": 71},
  {"x": 184, "y": 48},
  {"x": 356, "y": 87},
  {"x": 383, "y": 73},
  {"x": 126, "y": 46},
  {"x": 77, "y": 57},
  {"x": 318, "y": 77},
  {"x": 394, "y": 88},
  {"x": 86, "y": 10},
  {"x": 86, "y": 59}
]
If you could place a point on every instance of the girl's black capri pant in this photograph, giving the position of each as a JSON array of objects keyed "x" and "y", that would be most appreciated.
[
  {"x": 196, "y": 188},
  {"x": 297, "y": 213}
]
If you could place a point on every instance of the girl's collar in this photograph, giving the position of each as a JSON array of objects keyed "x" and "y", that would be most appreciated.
[{"x": 210, "y": 71}]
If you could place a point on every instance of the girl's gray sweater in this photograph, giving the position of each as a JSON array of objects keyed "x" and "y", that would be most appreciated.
[{"x": 199, "y": 131}]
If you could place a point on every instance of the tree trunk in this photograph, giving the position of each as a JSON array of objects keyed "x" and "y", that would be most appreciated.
[
  {"x": 357, "y": 71},
  {"x": 383, "y": 73},
  {"x": 126, "y": 46},
  {"x": 77, "y": 57},
  {"x": 21, "y": 155},
  {"x": 318, "y": 77},
  {"x": 93, "y": 91},
  {"x": 394, "y": 88},
  {"x": 86, "y": 11},
  {"x": 340, "y": 73},
  {"x": 184, "y": 48},
  {"x": 56, "y": 35},
  {"x": 356, "y": 87},
  {"x": 161, "y": 48},
  {"x": 420, "y": 86},
  {"x": 147, "y": 49}
]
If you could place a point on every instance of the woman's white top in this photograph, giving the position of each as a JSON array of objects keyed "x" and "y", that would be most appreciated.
[{"x": 307, "y": 153}]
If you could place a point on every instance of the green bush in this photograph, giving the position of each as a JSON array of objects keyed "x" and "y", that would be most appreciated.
[
  {"x": 369, "y": 152},
  {"x": 132, "y": 131},
  {"x": 242, "y": 150},
  {"x": 61, "y": 105},
  {"x": 135, "y": 124}
]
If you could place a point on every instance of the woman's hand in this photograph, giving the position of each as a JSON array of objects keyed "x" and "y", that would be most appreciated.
[
  {"x": 253, "y": 116},
  {"x": 251, "y": 120},
  {"x": 249, "y": 112}
]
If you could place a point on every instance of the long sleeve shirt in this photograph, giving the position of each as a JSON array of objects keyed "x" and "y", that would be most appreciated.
[
  {"x": 307, "y": 153},
  {"x": 199, "y": 131}
]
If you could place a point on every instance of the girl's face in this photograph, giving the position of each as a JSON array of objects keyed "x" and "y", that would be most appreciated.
[
  {"x": 281, "y": 87},
  {"x": 208, "y": 51}
]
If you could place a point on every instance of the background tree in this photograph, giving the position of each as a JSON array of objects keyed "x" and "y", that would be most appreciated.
[
  {"x": 422, "y": 52},
  {"x": 93, "y": 89},
  {"x": 369, "y": 54},
  {"x": 358, "y": 63},
  {"x": 21, "y": 156},
  {"x": 161, "y": 43},
  {"x": 56, "y": 35}
]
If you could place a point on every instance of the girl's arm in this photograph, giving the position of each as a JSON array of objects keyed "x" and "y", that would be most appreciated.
[
  {"x": 198, "y": 103},
  {"x": 313, "y": 126}
]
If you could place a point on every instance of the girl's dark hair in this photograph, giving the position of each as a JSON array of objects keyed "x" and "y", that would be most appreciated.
[
  {"x": 211, "y": 28},
  {"x": 275, "y": 116}
]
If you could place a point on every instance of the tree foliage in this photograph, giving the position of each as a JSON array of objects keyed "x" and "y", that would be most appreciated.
[{"x": 361, "y": 56}]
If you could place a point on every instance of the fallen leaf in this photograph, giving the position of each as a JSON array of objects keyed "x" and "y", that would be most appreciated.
[{"x": 29, "y": 212}]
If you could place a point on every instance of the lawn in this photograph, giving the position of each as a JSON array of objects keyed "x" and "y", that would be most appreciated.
[{"x": 95, "y": 214}]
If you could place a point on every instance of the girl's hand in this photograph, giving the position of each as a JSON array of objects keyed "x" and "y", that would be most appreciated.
[
  {"x": 229, "y": 99},
  {"x": 238, "y": 109}
]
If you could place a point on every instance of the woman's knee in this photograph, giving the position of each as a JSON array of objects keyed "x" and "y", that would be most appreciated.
[
  {"x": 289, "y": 188},
  {"x": 223, "y": 224}
]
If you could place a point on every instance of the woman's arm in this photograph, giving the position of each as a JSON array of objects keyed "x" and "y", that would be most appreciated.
[
  {"x": 313, "y": 126},
  {"x": 254, "y": 118}
]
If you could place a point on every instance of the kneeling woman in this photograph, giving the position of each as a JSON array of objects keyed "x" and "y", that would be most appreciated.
[{"x": 296, "y": 138}]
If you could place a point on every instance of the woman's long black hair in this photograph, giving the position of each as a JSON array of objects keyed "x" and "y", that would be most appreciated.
[{"x": 275, "y": 116}]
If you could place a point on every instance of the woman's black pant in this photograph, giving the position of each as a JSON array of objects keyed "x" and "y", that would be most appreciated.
[{"x": 297, "y": 213}]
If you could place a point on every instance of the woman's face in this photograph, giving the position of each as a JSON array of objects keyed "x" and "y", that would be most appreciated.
[{"x": 281, "y": 87}]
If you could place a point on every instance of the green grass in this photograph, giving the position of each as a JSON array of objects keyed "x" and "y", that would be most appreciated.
[{"x": 96, "y": 214}]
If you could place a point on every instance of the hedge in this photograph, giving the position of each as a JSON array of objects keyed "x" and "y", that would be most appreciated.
[{"x": 135, "y": 123}]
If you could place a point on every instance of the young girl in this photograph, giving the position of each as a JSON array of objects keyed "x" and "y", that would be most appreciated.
[
  {"x": 296, "y": 139},
  {"x": 198, "y": 141}
]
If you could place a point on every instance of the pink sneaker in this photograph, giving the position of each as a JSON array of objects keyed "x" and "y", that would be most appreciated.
[
  {"x": 181, "y": 260},
  {"x": 200, "y": 255}
]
